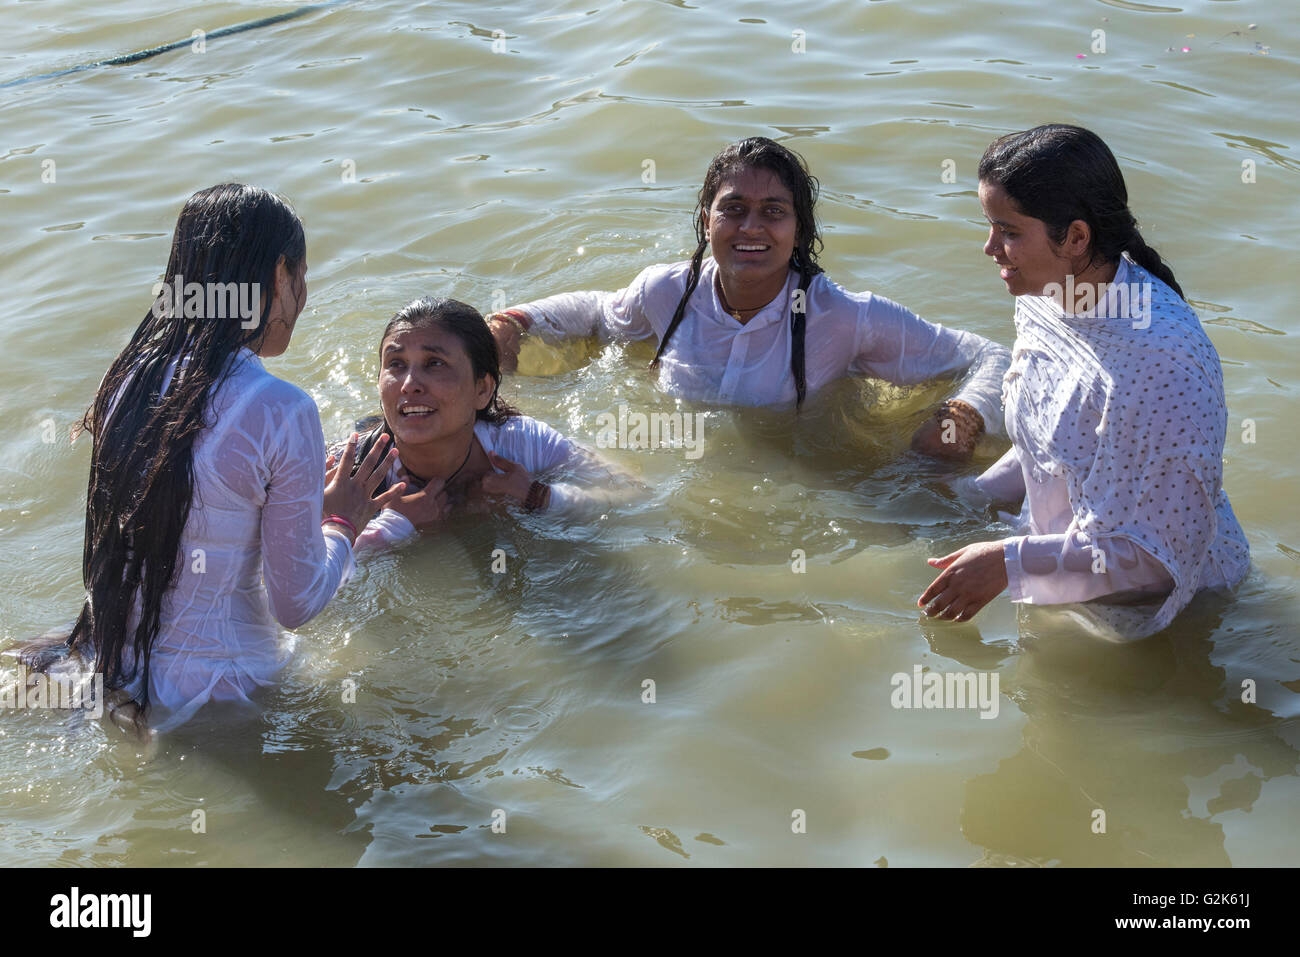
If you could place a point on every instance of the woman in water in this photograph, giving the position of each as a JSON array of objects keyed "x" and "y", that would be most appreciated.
[
  {"x": 759, "y": 323},
  {"x": 206, "y": 526},
  {"x": 1114, "y": 401},
  {"x": 457, "y": 443}
]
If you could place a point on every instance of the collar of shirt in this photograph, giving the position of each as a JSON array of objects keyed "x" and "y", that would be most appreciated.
[{"x": 775, "y": 311}]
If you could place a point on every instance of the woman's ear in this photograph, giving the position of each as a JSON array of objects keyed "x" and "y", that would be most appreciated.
[
  {"x": 274, "y": 297},
  {"x": 484, "y": 389},
  {"x": 1078, "y": 239},
  {"x": 283, "y": 280}
]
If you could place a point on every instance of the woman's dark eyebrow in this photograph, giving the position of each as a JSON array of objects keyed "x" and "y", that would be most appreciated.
[
  {"x": 770, "y": 199},
  {"x": 998, "y": 222},
  {"x": 394, "y": 347}
]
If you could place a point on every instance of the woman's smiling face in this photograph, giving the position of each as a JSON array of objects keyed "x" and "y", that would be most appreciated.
[
  {"x": 751, "y": 226},
  {"x": 427, "y": 385},
  {"x": 1020, "y": 245}
]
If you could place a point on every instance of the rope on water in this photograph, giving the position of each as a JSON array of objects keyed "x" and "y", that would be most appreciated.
[{"x": 177, "y": 44}]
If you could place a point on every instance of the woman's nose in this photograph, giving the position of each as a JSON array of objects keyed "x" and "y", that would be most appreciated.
[{"x": 991, "y": 246}]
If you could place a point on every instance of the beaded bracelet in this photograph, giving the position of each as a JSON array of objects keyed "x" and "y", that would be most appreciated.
[
  {"x": 519, "y": 319},
  {"x": 964, "y": 414},
  {"x": 536, "y": 492}
]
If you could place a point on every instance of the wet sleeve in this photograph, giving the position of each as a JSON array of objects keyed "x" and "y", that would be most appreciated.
[
  {"x": 1069, "y": 567},
  {"x": 588, "y": 481},
  {"x": 1168, "y": 508},
  {"x": 302, "y": 566},
  {"x": 895, "y": 344},
  {"x": 612, "y": 315},
  {"x": 1003, "y": 481},
  {"x": 389, "y": 527}
]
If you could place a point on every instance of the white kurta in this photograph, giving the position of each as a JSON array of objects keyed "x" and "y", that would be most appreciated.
[
  {"x": 1117, "y": 430},
  {"x": 253, "y": 556},
  {"x": 712, "y": 357}
]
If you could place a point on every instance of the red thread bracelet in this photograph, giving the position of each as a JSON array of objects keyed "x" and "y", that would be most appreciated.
[{"x": 340, "y": 520}]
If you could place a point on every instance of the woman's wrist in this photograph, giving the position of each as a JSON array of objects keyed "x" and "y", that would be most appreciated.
[
  {"x": 538, "y": 497},
  {"x": 965, "y": 417},
  {"x": 516, "y": 317},
  {"x": 964, "y": 413},
  {"x": 341, "y": 526}
]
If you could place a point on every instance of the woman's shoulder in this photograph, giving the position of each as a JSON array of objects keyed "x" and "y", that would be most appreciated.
[
  {"x": 251, "y": 374},
  {"x": 526, "y": 440},
  {"x": 1152, "y": 302},
  {"x": 823, "y": 285},
  {"x": 1164, "y": 319},
  {"x": 257, "y": 397},
  {"x": 670, "y": 274},
  {"x": 829, "y": 301},
  {"x": 518, "y": 426}
]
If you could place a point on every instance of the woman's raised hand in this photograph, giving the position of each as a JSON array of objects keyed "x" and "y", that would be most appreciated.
[
  {"x": 423, "y": 507},
  {"x": 353, "y": 496}
]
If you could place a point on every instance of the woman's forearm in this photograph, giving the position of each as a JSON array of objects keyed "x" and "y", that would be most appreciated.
[
  {"x": 1058, "y": 569},
  {"x": 569, "y": 315}
]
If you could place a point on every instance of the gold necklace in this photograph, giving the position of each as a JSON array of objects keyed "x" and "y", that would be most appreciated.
[{"x": 734, "y": 313}]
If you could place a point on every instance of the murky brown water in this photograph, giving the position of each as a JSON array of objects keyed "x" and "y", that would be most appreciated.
[{"x": 513, "y": 175}]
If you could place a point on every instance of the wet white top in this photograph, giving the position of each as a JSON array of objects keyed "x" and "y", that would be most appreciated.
[
  {"x": 712, "y": 357},
  {"x": 254, "y": 557},
  {"x": 1117, "y": 420}
]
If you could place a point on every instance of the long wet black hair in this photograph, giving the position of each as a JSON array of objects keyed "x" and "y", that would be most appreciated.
[
  {"x": 759, "y": 152},
  {"x": 142, "y": 463},
  {"x": 1059, "y": 173},
  {"x": 467, "y": 324}
]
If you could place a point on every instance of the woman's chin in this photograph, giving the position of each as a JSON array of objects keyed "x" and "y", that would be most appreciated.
[
  {"x": 414, "y": 433},
  {"x": 428, "y": 432},
  {"x": 753, "y": 271},
  {"x": 1018, "y": 287}
]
